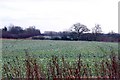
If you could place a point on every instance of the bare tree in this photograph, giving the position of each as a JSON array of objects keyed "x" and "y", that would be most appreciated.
[
  {"x": 111, "y": 32},
  {"x": 79, "y": 29},
  {"x": 97, "y": 29}
]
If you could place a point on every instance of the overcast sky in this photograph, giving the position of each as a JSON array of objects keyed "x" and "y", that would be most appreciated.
[{"x": 59, "y": 15}]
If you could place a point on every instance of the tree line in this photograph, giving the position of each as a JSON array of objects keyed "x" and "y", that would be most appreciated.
[
  {"x": 17, "y": 32},
  {"x": 78, "y": 31}
]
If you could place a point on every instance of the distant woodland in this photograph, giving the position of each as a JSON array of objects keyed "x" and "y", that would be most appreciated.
[{"x": 76, "y": 32}]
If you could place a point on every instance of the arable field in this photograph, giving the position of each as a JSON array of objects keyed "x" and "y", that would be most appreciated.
[{"x": 43, "y": 50}]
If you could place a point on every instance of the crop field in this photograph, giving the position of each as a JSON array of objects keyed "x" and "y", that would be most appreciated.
[
  {"x": 70, "y": 49},
  {"x": 14, "y": 52}
]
